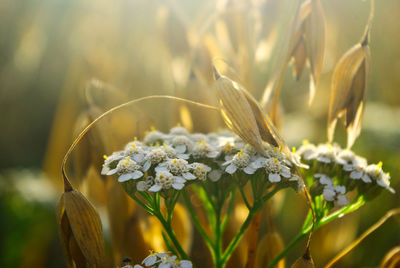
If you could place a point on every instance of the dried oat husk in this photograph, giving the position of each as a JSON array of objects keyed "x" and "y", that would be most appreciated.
[
  {"x": 304, "y": 261},
  {"x": 268, "y": 248},
  {"x": 283, "y": 49},
  {"x": 126, "y": 235},
  {"x": 245, "y": 116},
  {"x": 271, "y": 244},
  {"x": 80, "y": 230},
  {"x": 391, "y": 259},
  {"x": 349, "y": 86}
]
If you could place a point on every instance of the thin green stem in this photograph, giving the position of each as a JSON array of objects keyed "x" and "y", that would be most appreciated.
[
  {"x": 228, "y": 212},
  {"x": 172, "y": 236},
  {"x": 196, "y": 221},
  {"x": 235, "y": 241}
]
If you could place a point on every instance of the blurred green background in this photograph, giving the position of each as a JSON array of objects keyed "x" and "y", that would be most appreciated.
[{"x": 50, "y": 49}]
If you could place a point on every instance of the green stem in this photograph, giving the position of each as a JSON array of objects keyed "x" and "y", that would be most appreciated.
[
  {"x": 172, "y": 236},
  {"x": 196, "y": 221},
  {"x": 235, "y": 241}
]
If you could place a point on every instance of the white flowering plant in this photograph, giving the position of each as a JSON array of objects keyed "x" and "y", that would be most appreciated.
[{"x": 217, "y": 168}]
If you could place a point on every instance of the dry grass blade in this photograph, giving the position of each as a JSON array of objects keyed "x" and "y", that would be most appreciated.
[
  {"x": 370, "y": 230},
  {"x": 315, "y": 43},
  {"x": 80, "y": 230},
  {"x": 391, "y": 259}
]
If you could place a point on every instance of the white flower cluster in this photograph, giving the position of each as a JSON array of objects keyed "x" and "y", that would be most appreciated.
[
  {"x": 332, "y": 193},
  {"x": 164, "y": 161},
  {"x": 161, "y": 260},
  {"x": 353, "y": 170}
]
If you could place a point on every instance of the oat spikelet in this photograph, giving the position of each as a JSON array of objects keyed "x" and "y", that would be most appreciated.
[
  {"x": 304, "y": 261},
  {"x": 80, "y": 230},
  {"x": 349, "y": 85}
]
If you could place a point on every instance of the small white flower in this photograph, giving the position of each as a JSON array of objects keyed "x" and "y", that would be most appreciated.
[
  {"x": 307, "y": 150},
  {"x": 127, "y": 169},
  {"x": 153, "y": 258},
  {"x": 108, "y": 160},
  {"x": 178, "y": 130},
  {"x": 376, "y": 173},
  {"x": 202, "y": 150},
  {"x": 182, "y": 144},
  {"x": 345, "y": 157},
  {"x": 185, "y": 264},
  {"x": 329, "y": 193},
  {"x": 171, "y": 153},
  {"x": 155, "y": 156},
  {"x": 326, "y": 153},
  {"x": 198, "y": 137},
  {"x": 200, "y": 170},
  {"x": 145, "y": 185},
  {"x": 275, "y": 168},
  {"x": 165, "y": 180},
  {"x": 135, "y": 151},
  {"x": 241, "y": 160},
  {"x": 153, "y": 137},
  {"x": 178, "y": 167},
  {"x": 341, "y": 200},
  {"x": 324, "y": 179},
  {"x": 215, "y": 175}
]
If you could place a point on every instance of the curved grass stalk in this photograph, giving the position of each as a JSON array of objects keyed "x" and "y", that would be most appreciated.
[
  {"x": 370, "y": 230},
  {"x": 307, "y": 228}
]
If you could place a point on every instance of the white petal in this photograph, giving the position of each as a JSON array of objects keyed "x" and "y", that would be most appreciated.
[
  {"x": 231, "y": 169},
  {"x": 249, "y": 170},
  {"x": 183, "y": 156},
  {"x": 125, "y": 177},
  {"x": 328, "y": 194},
  {"x": 274, "y": 178},
  {"x": 348, "y": 167},
  {"x": 138, "y": 157},
  {"x": 137, "y": 174},
  {"x": 112, "y": 171},
  {"x": 137, "y": 266},
  {"x": 150, "y": 260},
  {"x": 286, "y": 173},
  {"x": 178, "y": 186},
  {"x": 365, "y": 178},
  {"x": 105, "y": 169},
  {"x": 340, "y": 189},
  {"x": 215, "y": 175},
  {"x": 161, "y": 168},
  {"x": 227, "y": 163},
  {"x": 186, "y": 264},
  {"x": 141, "y": 186},
  {"x": 146, "y": 166},
  {"x": 180, "y": 148},
  {"x": 342, "y": 201},
  {"x": 164, "y": 265},
  {"x": 356, "y": 174},
  {"x": 189, "y": 176},
  {"x": 213, "y": 154},
  {"x": 179, "y": 179},
  {"x": 155, "y": 188}
]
